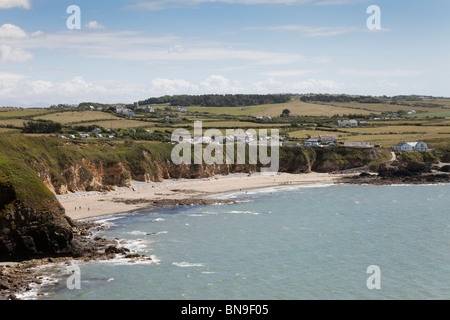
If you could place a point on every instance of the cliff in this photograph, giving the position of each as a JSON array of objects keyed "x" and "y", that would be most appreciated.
[
  {"x": 34, "y": 169},
  {"x": 32, "y": 222}
]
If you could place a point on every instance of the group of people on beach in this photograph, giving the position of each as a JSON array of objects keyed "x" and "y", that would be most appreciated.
[{"x": 79, "y": 208}]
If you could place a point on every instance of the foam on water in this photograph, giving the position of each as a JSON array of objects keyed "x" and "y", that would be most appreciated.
[
  {"x": 187, "y": 264},
  {"x": 245, "y": 212}
]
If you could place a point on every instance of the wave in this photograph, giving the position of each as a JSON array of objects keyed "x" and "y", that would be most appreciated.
[
  {"x": 120, "y": 261},
  {"x": 36, "y": 289},
  {"x": 158, "y": 220},
  {"x": 187, "y": 264},
  {"x": 144, "y": 233},
  {"x": 273, "y": 189},
  {"x": 246, "y": 212},
  {"x": 135, "y": 246},
  {"x": 138, "y": 233}
]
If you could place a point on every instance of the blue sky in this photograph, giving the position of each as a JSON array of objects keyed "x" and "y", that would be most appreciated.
[{"x": 129, "y": 50}]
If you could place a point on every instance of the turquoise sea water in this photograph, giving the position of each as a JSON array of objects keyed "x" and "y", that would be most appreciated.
[{"x": 293, "y": 242}]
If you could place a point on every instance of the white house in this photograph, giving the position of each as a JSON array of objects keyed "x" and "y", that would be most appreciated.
[
  {"x": 347, "y": 123},
  {"x": 265, "y": 118},
  {"x": 411, "y": 146},
  {"x": 119, "y": 110},
  {"x": 128, "y": 113},
  {"x": 149, "y": 110},
  {"x": 312, "y": 142}
]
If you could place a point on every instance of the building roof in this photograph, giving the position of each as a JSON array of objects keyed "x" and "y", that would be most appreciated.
[
  {"x": 328, "y": 136},
  {"x": 313, "y": 139}
]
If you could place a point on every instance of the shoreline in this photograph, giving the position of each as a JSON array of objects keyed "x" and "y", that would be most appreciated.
[
  {"x": 141, "y": 195},
  {"x": 145, "y": 196}
]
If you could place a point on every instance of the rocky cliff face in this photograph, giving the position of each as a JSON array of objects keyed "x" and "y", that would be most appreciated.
[
  {"x": 32, "y": 221},
  {"x": 99, "y": 175},
  {"x": 28, "y": 233}
]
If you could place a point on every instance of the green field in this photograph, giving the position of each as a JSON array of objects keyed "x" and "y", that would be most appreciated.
[
  {"x": 9, "y": 113},
  {"x": 444, "y": 114},
  {"x": 386, "y": 107},
  {"x": 78, "y": 116},
  {"x": 274, "y": 110}
]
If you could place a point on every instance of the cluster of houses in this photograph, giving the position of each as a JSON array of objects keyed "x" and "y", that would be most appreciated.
[
  {"x": 148, "y": 109},
  {"x": 125, "y": 111},
  {"x": 243, "y": 138},
  {"x": 321, "y": 140},
  {"x": 330, "y": 140}
]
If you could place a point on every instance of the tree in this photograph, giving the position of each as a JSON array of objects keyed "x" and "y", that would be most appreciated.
[{"x": 285, "y": 113}]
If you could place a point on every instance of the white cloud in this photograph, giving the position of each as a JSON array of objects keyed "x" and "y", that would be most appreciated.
[
  {"x": 288, "y": 73},
  {"x": 23, "y": 91},
  {"x": 37, "y": 34},
  {"x": 382, "y": 73},
  {"x": 155, "y": 5},
  {"x": 8, "y": 4},
  {"x": 94, "y": 25},
  {"x": 9, "y": 54},
  {"x": 163, "y": 4},
  {"x": 309, "y": 31},
  {"x": 39, "y": 87},
  {"x": 161, "y": 86},
  {"x": 139, "y": 46},
  {"x": 8, "y": 83},
  {"x": 10, "y": 31},
  {"x": 386, "y": 84},
  {"x": 176, "y": 49}
]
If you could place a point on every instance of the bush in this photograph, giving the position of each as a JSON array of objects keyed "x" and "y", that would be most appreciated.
[{"x": 42, "y": 126}]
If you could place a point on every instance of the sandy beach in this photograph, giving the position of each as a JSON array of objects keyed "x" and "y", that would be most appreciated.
[{"x": 85, "y": 205}]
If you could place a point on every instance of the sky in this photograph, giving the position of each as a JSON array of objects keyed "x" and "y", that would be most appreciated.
[{"x": 130, "y": 50}]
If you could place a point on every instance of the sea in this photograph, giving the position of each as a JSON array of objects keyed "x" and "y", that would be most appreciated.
[{"x": 303, "y": 242}]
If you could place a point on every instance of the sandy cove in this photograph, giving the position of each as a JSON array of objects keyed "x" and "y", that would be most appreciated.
[{"x": 85, "y": 205}]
